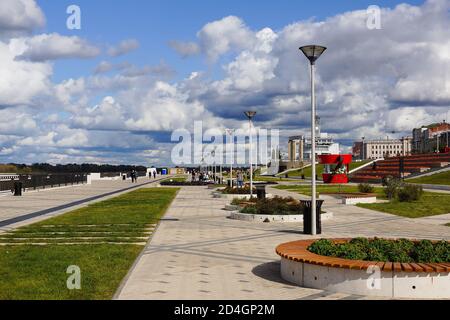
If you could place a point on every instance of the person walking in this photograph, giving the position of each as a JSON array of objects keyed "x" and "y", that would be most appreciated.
[
  {"x": 240, "y": 179},
  {"x": 154, "y": 174}
]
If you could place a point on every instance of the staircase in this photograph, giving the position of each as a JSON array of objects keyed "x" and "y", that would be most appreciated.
[{"x": 413, "y": 165}]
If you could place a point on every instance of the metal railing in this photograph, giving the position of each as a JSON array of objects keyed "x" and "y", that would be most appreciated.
[{"x": 43, "y": 181}]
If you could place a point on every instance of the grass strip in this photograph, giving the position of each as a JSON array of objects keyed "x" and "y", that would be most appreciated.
[{"x": 33, "y": 272}]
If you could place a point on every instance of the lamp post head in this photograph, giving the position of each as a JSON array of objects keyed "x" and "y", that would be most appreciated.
[
  {"x": 250, "y": 114},
  {"x": 313, "y": 52}
]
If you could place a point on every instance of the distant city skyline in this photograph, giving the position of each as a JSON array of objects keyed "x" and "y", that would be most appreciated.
[{"x": 114, "y": 90}]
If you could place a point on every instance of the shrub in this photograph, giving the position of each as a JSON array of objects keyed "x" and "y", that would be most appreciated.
[
  {"x": 352, "y": 252},
  {"x": 375, "y": 254},
  {"x": 361, "y": 242},
  {"x": 323, "y": 247},
  {"x": 245, "y": 190},
  {"x": 402, "y": 251},
  {"x": 249, "y": 210},
  {"x": 409, "y": 193},
  {"x": 442, "y": 250},
  {"x": 365, "y": 188},
  {"x": 392, "y": 186},
  {"x": 385, "y": 180},
  {"x": 424, "y": 252},
  {"x": 276, "y": 205}
]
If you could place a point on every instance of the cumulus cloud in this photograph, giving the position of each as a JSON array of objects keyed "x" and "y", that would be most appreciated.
[
  {"x": 369, "y": 83},
  {"x": 185, "y": 49},
  {"x": 124, "y": 47},
  {"x": 21, "y": 82},
  {"x": 53, "y": 46},
  {"x": 219, "y": 37},
  {"x": 20, "y": 16}
]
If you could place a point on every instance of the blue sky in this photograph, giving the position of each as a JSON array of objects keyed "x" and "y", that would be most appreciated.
[
  {"x": 155, "y": 22},
  {"x": 69, "y": 96}
]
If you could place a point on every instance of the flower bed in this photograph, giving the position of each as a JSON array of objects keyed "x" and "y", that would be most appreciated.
[
  {"x": 274, "y": 206},
  {"x": 276, "y": 209},
  {"x": 403, "y": 250},
  {"x": 371, "y": 278},
  {"x": 245, "y": 190}
]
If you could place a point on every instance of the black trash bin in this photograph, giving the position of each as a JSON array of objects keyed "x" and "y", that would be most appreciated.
[
  {"x": 307, "y": 223},
  {"x": 18, "y": 186},
  {"x": 260, "y": 191}
]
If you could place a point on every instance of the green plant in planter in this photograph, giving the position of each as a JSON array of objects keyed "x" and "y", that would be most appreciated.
[
  {"x": 323, "y": 247},
  {"x": 402, "y": 251},
  {"x": 350, "y": 251},
  {"x": 250, "y": 210},
  {"x": 442, "y": 250},
  {"x": 424, "y": 252},
  {"x": 245, "y": 190},
  {"x": 275, "y": 206}
]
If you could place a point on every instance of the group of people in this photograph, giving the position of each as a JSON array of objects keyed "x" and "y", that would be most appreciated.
[
  {"x": 134, "y": 176},
  {"x": 200, "y": 176},
  {"x": 204, "y": 176}
]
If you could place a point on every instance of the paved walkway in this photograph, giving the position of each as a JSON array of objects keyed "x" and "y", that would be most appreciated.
[
  {"x": 205, "y": 255},
  {"x": 37, "y": 205}
]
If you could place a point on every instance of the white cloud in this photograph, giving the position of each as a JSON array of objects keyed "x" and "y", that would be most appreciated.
[
  {"x": 124, "y": 47},
  {"x": 53, "y": 46},
  {"x": 369, "y": 83},
  {"x": 219, "y": 37},
  {"x": 185, "y": 49},
  {"x": 21, "y": 81},
  {"x": 20, "y": 16}
]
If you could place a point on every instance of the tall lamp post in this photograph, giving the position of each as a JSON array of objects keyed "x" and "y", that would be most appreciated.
[
  {"x": 231, "y": 132},
  {"x": 363, "y": 148},
  {"x": 312, "y": 53},
  {"x": 250, "y": 115}
]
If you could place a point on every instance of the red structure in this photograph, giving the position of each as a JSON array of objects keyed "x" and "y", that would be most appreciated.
[{"x": 336, "y": 167}]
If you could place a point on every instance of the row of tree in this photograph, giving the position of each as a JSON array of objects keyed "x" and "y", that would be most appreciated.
[{"x": 67, "y": 168}]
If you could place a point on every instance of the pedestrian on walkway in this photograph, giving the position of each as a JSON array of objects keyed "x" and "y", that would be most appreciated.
[{"x": 240, "y": 179}]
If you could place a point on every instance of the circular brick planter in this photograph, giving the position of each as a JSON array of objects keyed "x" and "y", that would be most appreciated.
[
  {"x": 394, "y": 280},
  {"x": 274, "y": 218}
]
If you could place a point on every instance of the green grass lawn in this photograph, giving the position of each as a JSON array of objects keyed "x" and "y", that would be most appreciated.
[
  {"x": 430, "y": 204},
  {"x": 103, "y": 239},
  {"x": 438, "y": 178},
  {"x": 332, "y": 188}
]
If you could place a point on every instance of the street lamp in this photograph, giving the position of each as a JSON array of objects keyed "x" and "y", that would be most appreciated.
[
  {"x": 363, "y": 140},
  {"x": 231, "y": 132},
  {"x": 250, "y": 115},
  {"x": 312, "y": 53}
]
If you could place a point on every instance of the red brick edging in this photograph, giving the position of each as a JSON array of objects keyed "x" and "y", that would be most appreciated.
[{"x": 298, "y": 251}]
